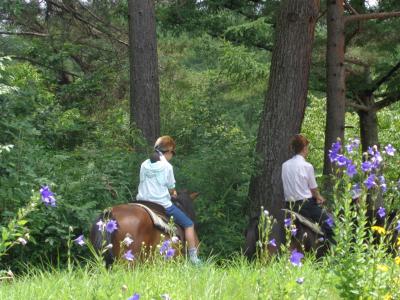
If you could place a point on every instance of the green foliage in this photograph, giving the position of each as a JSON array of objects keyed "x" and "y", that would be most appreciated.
[
  {"x": 66, "y": 110},
  {"x": 214, "y": 120},
  {"x": 91, "y": 167},
  {"x": 16, "y": 231}
]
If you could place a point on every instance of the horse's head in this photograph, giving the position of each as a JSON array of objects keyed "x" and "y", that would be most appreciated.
[{"x": 185, "y": 202}]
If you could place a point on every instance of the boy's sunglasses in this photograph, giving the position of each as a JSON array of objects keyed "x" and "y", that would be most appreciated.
[{"x": 172, "y": 151}]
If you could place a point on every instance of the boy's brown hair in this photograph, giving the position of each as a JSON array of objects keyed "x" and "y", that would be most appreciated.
[
  {"x": 165, "y": 143},
  {"x": 298, "y": 143}
]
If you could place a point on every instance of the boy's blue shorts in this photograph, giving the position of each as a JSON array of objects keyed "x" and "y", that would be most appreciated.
[{"x": 179, "y": 216}]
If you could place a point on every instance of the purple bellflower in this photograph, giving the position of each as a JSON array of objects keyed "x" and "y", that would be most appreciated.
[
  {"x": 351, "y": 170},
  {"x": 273, "y": 242},
  {"x": 295, "y": 258},
  {"x": 390, "y": 150},
  {"x": 129, "y": 256},
  {"x": 398, "y": 226},
  {"x": 80, "y": 240},
  {"x": 111, "y": 226},
  {"x": 170, "y": 253},
  {"x": 370, "y": 181},
  {"x": 47, "y": 196},
  {"x": 366, "y": 166},
  {"x": 329, "y": 222},
  {"x": 381, "y": 212},
  {"x": 135, "y": 296}
]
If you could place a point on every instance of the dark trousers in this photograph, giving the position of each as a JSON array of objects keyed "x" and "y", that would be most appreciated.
[{"x": 313, "y": 211}]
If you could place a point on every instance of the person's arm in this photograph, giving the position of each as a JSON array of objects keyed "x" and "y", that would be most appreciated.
[
  {"x": 173, "y": 193},
  {"x": 315, "y": 193},
  {"x": 171, "y": 183},
  {"x": 312, "y": 183}
]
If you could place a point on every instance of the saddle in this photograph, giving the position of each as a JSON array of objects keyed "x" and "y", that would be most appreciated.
[
  {"x": 159, "y": 218},
  {"x": 304, "y": 221}
]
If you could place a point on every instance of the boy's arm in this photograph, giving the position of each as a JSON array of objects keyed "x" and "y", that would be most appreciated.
[
  {"x": 173, "y": 193},
  {"x": 317, "y": 196}
]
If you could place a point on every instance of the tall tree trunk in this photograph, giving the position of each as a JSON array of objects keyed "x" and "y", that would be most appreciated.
[
  {"x": 335, "y": 73},
  {"x": 144, "y": 84},
  {"x": 285, "y": 104},
  {"x": 368, "y": 123},
  {"x": 369, "y": 137}
]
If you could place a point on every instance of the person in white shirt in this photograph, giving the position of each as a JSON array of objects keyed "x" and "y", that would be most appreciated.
[
  {"x": 300, "y": 188},
  {"x": 157, "y": 185}
]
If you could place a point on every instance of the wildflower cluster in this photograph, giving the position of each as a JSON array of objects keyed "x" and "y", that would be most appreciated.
[
  {"x": 342, "y": 161},
  {"x": 295, "y": 256},
  {"x": 360, "y": 235},
  {"x": 16, "y": 231},
  {"x": 264, "y": 243},
  {"x": 110, "y": 226},
  {"x": 371, "y": 166},
  {"x": 291, "y": 228},
  {"x": 167, "y": 249}
]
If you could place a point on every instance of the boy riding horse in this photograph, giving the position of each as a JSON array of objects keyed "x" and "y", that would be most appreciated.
[
  {"x": 157, "y": 185},
  {"x": 301, "y": 189}
]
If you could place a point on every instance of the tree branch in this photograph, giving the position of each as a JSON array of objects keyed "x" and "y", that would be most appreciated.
[
  {"x": 119, "y": 30},
  {"x": 356, "y": 61},
  {"x": 349, "y": 37},
  {"x": 38, "y": 63},
  {"x": 350, "y": 8},
  {"x": 79, "y": 17},
  {"x": 363, "y": 17},
  {"x": 236, "y": 41},
  {"x": 37, "y": 34},
  {"x": 357, "y": 106},
  {"x": 385, "y": 78},
  {"x": 387, "y": 101},
  {"x": 322, "y": 14}
]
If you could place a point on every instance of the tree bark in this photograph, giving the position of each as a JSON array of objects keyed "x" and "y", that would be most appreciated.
[
  {"x": 368, "y": 123},
  {"x": 284, "y": 105},
  {"x": 144, "y": 82},
  {"x": 335, "y": 73}
]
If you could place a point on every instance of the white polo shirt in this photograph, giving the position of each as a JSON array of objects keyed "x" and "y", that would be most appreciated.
[
  {"x": 156, "y": 179},
  {"x": 298, "y": 178}
]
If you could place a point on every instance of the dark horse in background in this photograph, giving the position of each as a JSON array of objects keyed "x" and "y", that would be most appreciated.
[
  {"x": 135, "y": 222},
  {"x": 308, "y": 237}
]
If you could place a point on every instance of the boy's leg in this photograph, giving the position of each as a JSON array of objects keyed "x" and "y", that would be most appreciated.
[
  {"x": 316, "y": 213},
  {"x": 190, "y": 235}
]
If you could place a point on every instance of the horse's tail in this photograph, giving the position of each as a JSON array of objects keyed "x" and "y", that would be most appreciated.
[
  {"x": 251, "y": 238},
  {"x": 101, "y": 238}
]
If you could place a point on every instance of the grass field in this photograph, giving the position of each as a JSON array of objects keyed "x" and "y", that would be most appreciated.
[{"x": 237, "y": 279}]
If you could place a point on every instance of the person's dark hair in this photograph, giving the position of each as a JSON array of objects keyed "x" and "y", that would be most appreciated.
[
  {"x": 155, "y": 156},
  {"x": 298, "y": 143}
]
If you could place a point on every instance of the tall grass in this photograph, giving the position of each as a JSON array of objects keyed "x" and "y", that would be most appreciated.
[{"x": 236, "y": 279}]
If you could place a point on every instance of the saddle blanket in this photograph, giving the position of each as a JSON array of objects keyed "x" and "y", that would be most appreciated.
[
  {"x": 160, "y": 222},
  {"x": 306, "y": 222}
]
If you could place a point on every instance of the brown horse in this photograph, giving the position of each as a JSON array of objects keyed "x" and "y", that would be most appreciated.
[{"x": 134, "y": 221}]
